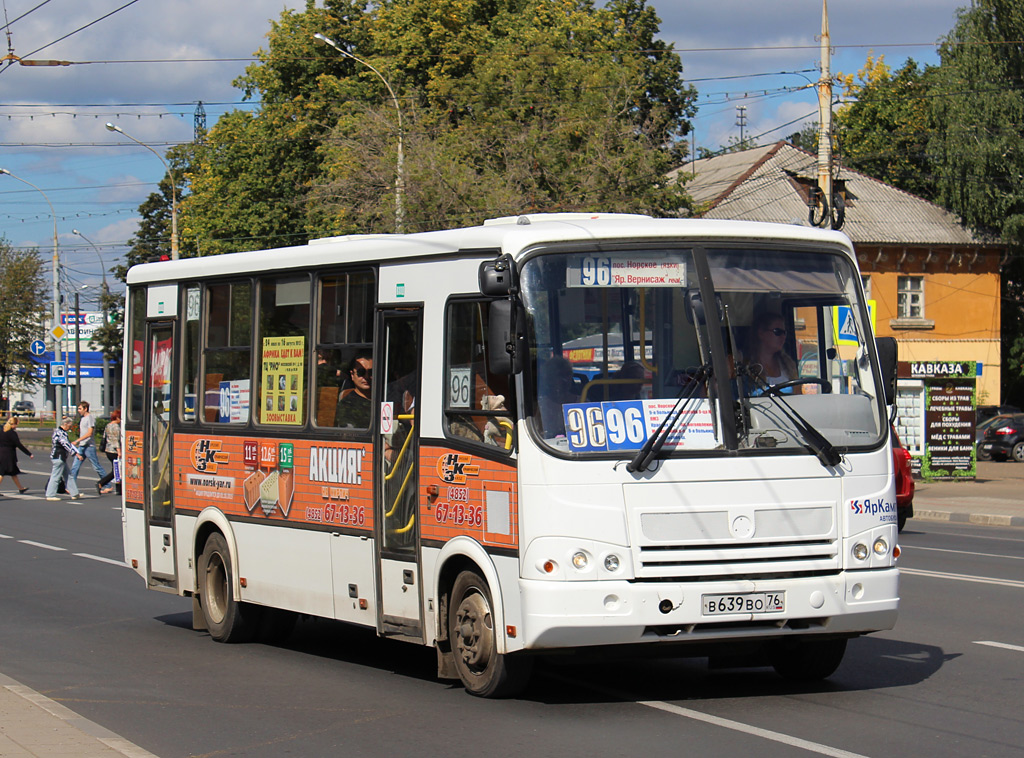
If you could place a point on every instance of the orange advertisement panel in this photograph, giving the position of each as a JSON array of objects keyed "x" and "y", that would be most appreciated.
[
  {"x": 331, "y": 483},
  {"x": 475, "y": 497},
  {"x": 276, "y": 480},
  {"x": 131, "y": 474}
]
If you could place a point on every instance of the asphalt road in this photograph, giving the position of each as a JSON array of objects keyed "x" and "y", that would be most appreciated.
[{"x": 81, "y": 629}]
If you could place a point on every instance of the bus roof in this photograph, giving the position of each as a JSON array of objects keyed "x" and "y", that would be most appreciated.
[{"x": 512, "y": 234}]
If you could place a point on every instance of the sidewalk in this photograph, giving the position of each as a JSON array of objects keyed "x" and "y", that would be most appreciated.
[
  {"x": 994, "y": 498},
  {"x": 32, "y": 725}
]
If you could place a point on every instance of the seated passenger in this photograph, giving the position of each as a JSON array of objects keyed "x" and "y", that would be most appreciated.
[
  {"x": 621, "y": 390},
  {"x": 768, "y": 363},
  {"x": 555, "y": 388},
  {"x": 354, "y": 405}
]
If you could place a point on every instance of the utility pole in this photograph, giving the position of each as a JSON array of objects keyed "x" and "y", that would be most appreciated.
[
  {"x": 78, "y": 353},
  {"x": 741, "y": 122},
  {"x": 824, "y": 199},
  {"x": 199, "y": 123}
]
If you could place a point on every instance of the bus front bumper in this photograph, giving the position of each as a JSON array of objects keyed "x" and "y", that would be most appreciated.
[{"x": 581, "y": 614}]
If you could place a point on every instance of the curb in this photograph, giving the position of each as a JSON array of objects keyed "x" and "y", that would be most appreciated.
[
  {"x": 956, "y": 517},
  {"x": 87, "y": 732}
]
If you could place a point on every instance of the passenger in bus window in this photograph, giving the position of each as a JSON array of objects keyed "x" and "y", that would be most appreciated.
[
  {"x": 768, "y": 362},
  {"x": 555, "y": 388},
  {"x": 354, "y": 403},
  {"x": 622, "y": 388},
  {"x": 327, "y": 372}
]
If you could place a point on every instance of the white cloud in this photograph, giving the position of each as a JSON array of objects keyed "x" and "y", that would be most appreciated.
[{"x": 83, "y": 168}]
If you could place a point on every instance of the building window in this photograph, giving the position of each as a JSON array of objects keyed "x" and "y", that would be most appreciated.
[{"x": 910, "y": 297}]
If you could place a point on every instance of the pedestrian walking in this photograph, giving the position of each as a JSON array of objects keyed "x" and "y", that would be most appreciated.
[
  {"x": 59, "y": 446},
  {"x": 10, "y": 444},
  {"x": 112, "y": 449},
  {"x": 86, "y": 444}
]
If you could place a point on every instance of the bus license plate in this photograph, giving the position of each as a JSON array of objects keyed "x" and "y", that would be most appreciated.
[{"x": 744, "y": 602}]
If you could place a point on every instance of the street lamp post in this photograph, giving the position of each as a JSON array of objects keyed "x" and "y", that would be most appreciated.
[
  {"x": 400, "y": 169},
  {"x": 105, "y": 389},
  {"x": 58, "y": 390},
  {"x": 174, "y": 187}
]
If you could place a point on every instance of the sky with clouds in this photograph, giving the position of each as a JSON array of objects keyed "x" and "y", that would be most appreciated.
[{"x": 147, "y": 64}]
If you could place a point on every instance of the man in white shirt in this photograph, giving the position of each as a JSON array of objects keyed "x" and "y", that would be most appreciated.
[{"x": 85, "y": 443}]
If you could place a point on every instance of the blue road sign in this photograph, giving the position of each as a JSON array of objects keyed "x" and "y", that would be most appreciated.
[
  {"x": 58, "y": 372},
  {"x": 38, "y": 347}
]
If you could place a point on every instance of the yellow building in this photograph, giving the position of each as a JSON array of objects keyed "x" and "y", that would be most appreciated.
[{"x": 935, "y": 286}]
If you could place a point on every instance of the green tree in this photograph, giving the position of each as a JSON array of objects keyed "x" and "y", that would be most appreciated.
[
  {"x": 979, "y": 148},
  {"x": 806, "y": 138},
  {"x": 507, "y": 106},
  {"x": 22, "y": 309},
  {"x": 883, "y": 128}
]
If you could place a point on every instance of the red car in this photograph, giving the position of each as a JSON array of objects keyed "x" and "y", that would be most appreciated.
[{"x": 904, "y": 482}]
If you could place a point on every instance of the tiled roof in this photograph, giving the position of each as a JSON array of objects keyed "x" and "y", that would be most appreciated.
[{"x": 764, "y": 184}]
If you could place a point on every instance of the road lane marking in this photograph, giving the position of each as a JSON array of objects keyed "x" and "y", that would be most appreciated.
[
  {"x": 101, "y": 559},
  {"x": 91, "y": 557},
  {"x": 756, "y": 731},
  {"x": 963, "y": 577},
  {"x": 724, "y": 723},
  {"x": 967, "y": 552},
  {"x": 1003, "y": 645},
  {"x": 42, "y": 545}
]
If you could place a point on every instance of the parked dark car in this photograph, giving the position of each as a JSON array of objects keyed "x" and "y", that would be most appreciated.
[
  {"x": 985, "y": 412},
  {"x": 1005, "y": 440},
  {"x": 904, "y": 482},
  {"x": 983, "y": 453},
  {"x": 24, "y": 408}
]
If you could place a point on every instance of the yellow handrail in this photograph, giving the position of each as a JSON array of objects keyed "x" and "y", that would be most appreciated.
[
  {"x": 407, "y": 527},
  {"x": 411, "y": 418},
  {"x": 643, "y": 335},
  {"x": 586, "y": 388},
  {"x": 508, "y": 435},
  {"x": 401, "y": 489}
]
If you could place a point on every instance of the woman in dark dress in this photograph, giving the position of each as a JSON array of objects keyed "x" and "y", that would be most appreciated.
[{"x": 10, "y": 444}]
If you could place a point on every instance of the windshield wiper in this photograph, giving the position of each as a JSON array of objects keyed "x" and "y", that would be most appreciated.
[
  {"x": 813, "y": 439},
  {"x": 656, "y": 441}
]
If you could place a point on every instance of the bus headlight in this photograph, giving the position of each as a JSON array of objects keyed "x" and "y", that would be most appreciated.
[
  {"x": 881, "y": 547},
  {"x": 860, "y": 551},
  {"x": 580, "y": 560},
  {"x": 611, "y": 562}
]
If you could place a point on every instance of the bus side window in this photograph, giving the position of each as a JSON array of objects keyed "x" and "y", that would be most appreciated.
[
  {"x": 479, "y": 406},
  {"x": 283, "y": 349},
  {"x": 190, "y": 395},
  {"x": 227, "y": 368},
  {"x": 344, "y": 347}
]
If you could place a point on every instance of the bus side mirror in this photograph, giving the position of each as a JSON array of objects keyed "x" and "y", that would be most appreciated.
[
  {"x": 498, "y": 277},
  {"x": 506, "y": 345},
  {"x": 888, "y": 352}
]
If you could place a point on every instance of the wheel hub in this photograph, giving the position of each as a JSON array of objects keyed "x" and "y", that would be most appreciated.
[{"x": 474, "y": 632}]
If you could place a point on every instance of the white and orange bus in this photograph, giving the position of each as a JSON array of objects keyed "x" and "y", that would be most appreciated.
[{"x": 545, "y": 433}]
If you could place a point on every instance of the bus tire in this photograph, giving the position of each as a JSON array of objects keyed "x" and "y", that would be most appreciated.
[
  {"x": 225, "y": 618},
  {"x": 808, "y": 660},
  {"x": 484, "y": 672}
]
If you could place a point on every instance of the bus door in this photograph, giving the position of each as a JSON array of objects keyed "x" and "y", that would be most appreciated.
[
  {"x": 397, "y": 388},
  {"x": 157, "y": 453}
]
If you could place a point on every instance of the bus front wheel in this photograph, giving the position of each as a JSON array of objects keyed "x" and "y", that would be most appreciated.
[
  {"x": 484, "y": 672},
  {"x": 808, "y": 660},
  {"x": 224, "y": 615}
]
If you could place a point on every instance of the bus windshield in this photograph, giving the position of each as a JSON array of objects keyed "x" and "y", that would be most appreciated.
[{"x": 765, "y": 354}]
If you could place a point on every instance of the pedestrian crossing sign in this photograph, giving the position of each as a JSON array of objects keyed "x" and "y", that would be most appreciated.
[{"x": 844, "y": 324}]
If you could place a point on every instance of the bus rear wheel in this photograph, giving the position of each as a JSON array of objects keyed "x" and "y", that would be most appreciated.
[
  {"x": 225, "y": 617},
  {"x": 808, "y": 660},
  {"x": 483, "y": 670}
]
